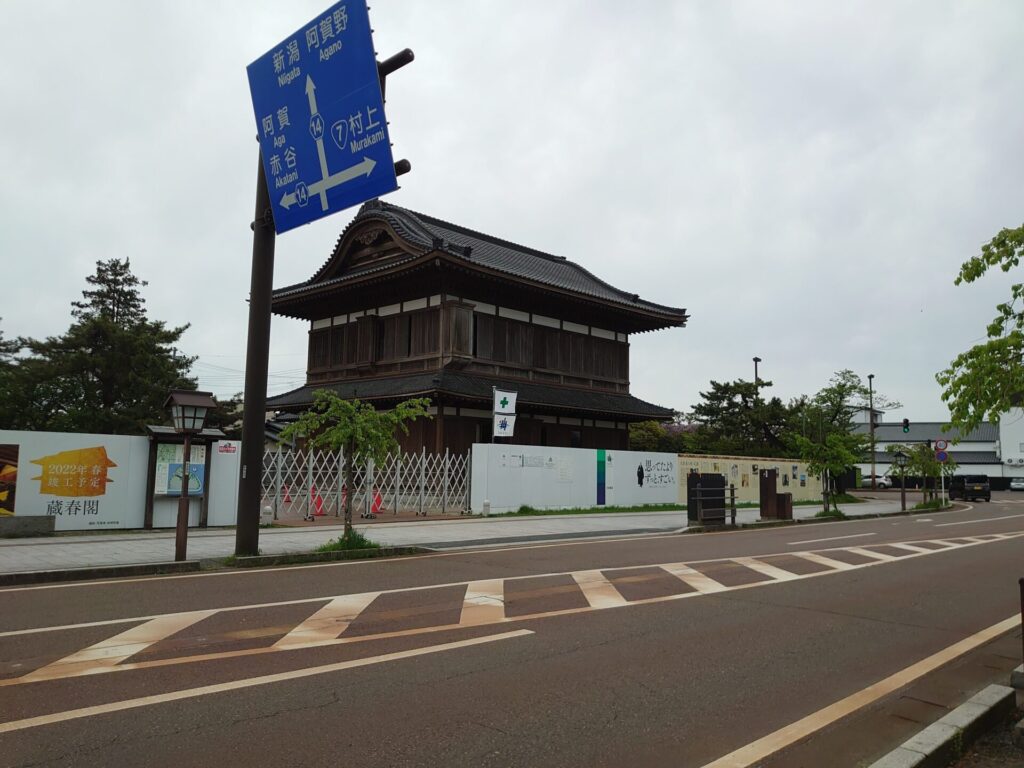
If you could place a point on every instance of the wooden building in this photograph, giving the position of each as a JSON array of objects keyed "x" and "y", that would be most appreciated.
[{"x": 411, "y": 306}]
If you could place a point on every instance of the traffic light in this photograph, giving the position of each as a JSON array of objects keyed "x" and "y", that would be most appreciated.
[{"x": 906, "y": 426}]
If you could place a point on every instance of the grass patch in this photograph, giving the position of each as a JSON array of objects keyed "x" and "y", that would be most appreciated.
[
  {"x": 354, "y": 540},
  {"x": 527, "y": 510},
  {"x": 830, "y": 514},
  {"x": 932, "y": 504}
]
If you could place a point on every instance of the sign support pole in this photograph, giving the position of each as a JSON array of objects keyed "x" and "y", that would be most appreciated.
[{"x": 257, "y": 356}]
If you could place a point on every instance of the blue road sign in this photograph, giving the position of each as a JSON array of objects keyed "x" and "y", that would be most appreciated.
[{"x": 320, "y": 118}]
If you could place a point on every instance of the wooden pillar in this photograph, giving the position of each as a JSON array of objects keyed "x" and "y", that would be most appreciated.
[
  {"x": 439, "y": 428},
  {"x": 147, "y": 515}
]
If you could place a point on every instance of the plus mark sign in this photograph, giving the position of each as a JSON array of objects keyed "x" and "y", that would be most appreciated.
[{"x": 504, "y": 402}]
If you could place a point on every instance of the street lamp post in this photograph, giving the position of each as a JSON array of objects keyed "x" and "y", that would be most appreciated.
[
  {"x": 900, "y": 459},
  {"x": 871, "y": 424},
  {"x": 188, "y": 413},
  {"x": 756, "y": 361}
]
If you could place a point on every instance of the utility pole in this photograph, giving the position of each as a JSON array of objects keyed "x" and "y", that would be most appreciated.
[
  {"x": 756, "y": 361},
  {"x": 871, "y": 423}
]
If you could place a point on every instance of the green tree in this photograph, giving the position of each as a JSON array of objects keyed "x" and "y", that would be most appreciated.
[
  {"x": 830, "y": 458},
  {"x": 356, "y": 428},
  {"x": 921, "y": 462},
  {"x": 734, "y": 418},
  {"x": 988, "y": 379},
  {"x": 111, "y": 371}
]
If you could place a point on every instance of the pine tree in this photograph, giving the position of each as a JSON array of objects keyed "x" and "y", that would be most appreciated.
[{"x": 111, "y": 371}]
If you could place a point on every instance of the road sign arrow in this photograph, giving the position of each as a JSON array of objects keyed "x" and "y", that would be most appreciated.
[
  {"x": 363, "y": 168},
  {"x": 288, "y": 199},
  {"x": 311, "y": 94}
]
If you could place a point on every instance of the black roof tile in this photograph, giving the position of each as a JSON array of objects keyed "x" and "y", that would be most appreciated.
[
  {"x": 594, "y": 403},
  {"x": 486, "y": 251}
]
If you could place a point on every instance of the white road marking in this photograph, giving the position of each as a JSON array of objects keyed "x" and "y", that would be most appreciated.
[
  {"x": 112, "y": 651},
  {"x": 874, "y": 555},
  {"x": 758, "y": 750},
  {"x": 924, "y": 520},
  {"x": 837, "y": 565},
  {"x": 206, "y": 690},
  {"x": 484, "y": 603},
  {"x": 705, "y": 585},
  {"x": 831, "y": 538},
  {"x": 779, "y": 574},
  {"x": 598, "y": 590},
  {"x": 329, "y": 622},
  {"x": 979, "y": 520},
  {"x": 909, "y": 547},
  {"x": 600, "y": 593}
]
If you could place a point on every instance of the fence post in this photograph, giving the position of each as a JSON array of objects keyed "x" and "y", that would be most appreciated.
[
  {"x": 341, "y": 481},
  {"x": 309, "y": 481},
  {"x": 423, "y": 480},
  {"x": 469, "y": 479},
  {"x": 399, "y": 458},
  {"x": 732, "y": 502},
  {"x": 277, "y": 481},
  {"x": 368, "y": 492},
  {"x": 444, "y": 484}
]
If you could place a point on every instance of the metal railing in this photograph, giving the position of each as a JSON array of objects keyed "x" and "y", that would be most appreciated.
[{"x": 309, "y": 484}]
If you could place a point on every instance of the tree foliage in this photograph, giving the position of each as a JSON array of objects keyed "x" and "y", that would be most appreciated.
[
  {"x": 988, "y": 379},
  {"x": 356, "y": 428},
  {"x": 110, "y": 372},
  {"x": 734, "y": 419},
  {"x": 830, "y": 458}
]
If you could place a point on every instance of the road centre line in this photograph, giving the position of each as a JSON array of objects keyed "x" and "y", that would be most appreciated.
[
  {"x": 832, "y": 538},
  {"x": 979, "y": 520},
  {"x": 683, "y": 571},
  {"x": 768, "y": 745},
  {"x": 604, "y": 596},
  {"x": 191, "y": 693}
]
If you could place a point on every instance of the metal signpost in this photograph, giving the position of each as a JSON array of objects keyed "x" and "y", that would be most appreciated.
[{"x": 324, "y": 146}]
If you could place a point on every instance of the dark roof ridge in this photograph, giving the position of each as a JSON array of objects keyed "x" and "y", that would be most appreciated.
[{"x": 419, "y": 218}]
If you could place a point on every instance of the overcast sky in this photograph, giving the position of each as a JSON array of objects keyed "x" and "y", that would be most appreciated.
[{"x": 804, "y": 178}]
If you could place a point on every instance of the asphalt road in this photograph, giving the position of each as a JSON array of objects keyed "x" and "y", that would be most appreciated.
[{"x": 658, "y": 650}]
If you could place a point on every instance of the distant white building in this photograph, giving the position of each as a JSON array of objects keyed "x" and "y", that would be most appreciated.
[{"x": 996, "y": 450}]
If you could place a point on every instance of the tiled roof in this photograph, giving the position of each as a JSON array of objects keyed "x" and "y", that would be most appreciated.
[
  {"x": 485, "y": 251},
  {"x": 960, "y": 457},
  {"x": 920, "y": 431},
  {"x": 594, "y": 403}
]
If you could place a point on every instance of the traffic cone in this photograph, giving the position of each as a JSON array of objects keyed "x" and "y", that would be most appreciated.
[
  {"x": 318, "y": 501},
  {"x": 287, "y": 497}
]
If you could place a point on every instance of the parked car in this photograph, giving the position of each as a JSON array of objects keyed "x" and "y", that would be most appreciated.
[
  {"x": 971, "y": 487},
  {"x": 1017, "y": 483},
  {"x": 881, "y": 481}
]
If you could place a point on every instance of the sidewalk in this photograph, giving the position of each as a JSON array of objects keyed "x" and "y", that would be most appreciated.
[{"x": 59, "y": 552}]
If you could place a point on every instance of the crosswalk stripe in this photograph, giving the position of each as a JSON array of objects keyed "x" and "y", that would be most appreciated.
[
  {"x": 703, "y": 584},
  {"x": 779, "y": 574},
  {"x": 484, "y": 603},
  {"x": 329, "y": 622},
  {"x": 909, "y": 547},
  {"x": 874, "y": 555},
  {"x": 112, "y": 651},
  {"x": 836, "y": 565},
  {"x": 974, "y": 539},
  {"x": 600, "y": 592}
]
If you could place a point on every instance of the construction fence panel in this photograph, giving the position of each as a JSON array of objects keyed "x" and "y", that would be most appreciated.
[{"x": 309, "y": 484}]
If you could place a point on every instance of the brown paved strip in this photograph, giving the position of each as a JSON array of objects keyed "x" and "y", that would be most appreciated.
[
  {"x": 794, "y": 564},
  {"x": 894, "y": 551},
  {"x": 852, "y": 558},
  {"x": 396, "y": 611},
  {"x": 19, "y": 656},
  {"x": 645, "y": 583},
  {"x": 229, "y": 631},
  {"x": 932, "y": 545},
  {"x": 729, "y": 573},
  {"x": 542, "y": 594}
]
